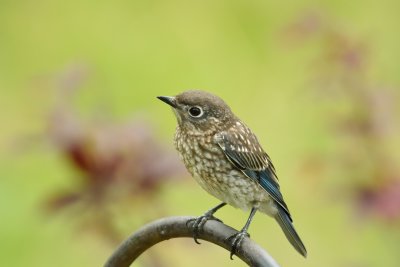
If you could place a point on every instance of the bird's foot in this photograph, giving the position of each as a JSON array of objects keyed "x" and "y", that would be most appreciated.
[
  {"x": 236, "y": 241},
  {"x": 196, "y": 224}
]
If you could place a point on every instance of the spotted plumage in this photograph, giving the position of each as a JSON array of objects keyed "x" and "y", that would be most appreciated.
[{"x": 226, "y": 159}]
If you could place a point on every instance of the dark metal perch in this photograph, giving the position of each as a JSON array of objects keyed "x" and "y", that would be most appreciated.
[{"x": 174, "y": 227}]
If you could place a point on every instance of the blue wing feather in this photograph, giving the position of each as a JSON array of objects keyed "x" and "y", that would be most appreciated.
[
  {"x": 272, "y": 188},
  {"x": 266, "y": 177}
]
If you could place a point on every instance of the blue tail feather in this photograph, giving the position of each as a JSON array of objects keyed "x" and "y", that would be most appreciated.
[{"x": 286, "y": 224}]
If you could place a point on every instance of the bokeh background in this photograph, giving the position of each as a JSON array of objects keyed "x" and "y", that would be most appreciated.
[{"x": 86, "y": 153}]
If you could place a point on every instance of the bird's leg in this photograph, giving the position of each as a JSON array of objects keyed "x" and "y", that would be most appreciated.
[
  {"x": 238, "y": 237},
  {"x": 199, "y": 222}
]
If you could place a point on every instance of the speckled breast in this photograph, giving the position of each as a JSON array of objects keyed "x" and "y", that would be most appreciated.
[{"x": 209, "y": 166}]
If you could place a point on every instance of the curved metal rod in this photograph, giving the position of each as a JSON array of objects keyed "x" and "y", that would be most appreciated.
[{"x": 174, "y": 227}]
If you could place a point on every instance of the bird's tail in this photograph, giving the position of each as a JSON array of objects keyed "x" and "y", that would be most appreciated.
[{"x": 286, "y": 224}]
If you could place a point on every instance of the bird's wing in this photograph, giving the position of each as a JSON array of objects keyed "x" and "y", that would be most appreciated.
[{"x": 242, "y": 148}]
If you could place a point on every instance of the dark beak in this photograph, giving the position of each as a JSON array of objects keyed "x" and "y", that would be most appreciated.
[{"x": 170, "y": 100}]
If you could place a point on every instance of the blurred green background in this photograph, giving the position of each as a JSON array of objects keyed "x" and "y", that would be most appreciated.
[{"x": 86, "y": 153}]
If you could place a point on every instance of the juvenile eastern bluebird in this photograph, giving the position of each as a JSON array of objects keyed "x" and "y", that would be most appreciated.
[{"x": 226, "y": 159}]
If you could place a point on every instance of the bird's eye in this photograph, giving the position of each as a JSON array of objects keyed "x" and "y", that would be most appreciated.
[{"x": 195, "y": 112}]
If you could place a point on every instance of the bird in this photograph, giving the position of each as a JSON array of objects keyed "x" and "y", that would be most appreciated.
[{"x": 226, "y": 159}]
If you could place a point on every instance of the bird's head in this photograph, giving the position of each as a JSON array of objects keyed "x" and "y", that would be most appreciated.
[{"x": 198, "y": 111}]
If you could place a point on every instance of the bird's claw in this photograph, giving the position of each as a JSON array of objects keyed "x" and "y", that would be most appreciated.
[
  {"x": 236, "y": 240},
  {"x": 198, "y": 223}
]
